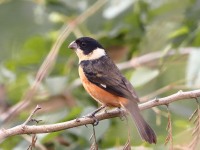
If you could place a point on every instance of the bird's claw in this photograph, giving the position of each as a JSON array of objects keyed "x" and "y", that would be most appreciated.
[{"x": 96, "y": 121}]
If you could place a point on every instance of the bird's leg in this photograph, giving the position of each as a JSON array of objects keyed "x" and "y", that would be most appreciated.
[
  {"x": 97, "y": 110},
  {"x": 92, "y": 115}
]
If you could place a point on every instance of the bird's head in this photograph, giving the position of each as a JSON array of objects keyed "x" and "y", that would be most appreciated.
[{"x": 87, "y": 48}]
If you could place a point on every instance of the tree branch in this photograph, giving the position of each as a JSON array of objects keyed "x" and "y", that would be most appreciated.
[
  {"x": 26, "y": 129},
  {"x": 151, "y": 57}
]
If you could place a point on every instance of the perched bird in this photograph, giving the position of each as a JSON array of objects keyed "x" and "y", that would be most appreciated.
[{"x": 104, "y": 82}]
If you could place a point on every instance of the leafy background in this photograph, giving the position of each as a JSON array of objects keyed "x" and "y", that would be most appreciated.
[{"x": 127, "y": 29}]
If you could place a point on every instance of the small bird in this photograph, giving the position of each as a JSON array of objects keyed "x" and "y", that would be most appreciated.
[{"x": 104, "y": 82}]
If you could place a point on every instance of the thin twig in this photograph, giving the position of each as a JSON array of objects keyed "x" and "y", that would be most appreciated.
[
  {"x": 33, "y": 142},
  {"x": 159, "y": 113},
  {"x": 38, "y": 145},
  {"x": 169, "y": 138},
  {"x": 196, "y": 131},
  {"x": 151, "y": 57},
  {"x": 94, "y": 145},
  {"x": 31, "y": 115}
]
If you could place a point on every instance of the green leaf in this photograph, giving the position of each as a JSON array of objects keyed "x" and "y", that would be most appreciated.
[
  {"x": 178, "y": 32},
  {"x": 143, "y": 75},
  {"x": 180, "y": 123}
]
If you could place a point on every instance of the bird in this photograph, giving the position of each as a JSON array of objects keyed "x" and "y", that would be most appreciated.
[{"x": 104, "y": 82}]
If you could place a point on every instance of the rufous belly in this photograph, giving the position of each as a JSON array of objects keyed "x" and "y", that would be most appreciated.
[{"x": 99, "y": 94}]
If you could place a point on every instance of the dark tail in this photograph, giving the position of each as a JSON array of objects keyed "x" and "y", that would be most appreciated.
[{"x": 146, "y": 132}]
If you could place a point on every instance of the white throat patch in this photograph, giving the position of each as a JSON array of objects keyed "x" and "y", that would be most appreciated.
[{"x": 95, "y": 54}]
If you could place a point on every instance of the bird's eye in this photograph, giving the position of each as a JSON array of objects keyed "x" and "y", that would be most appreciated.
[{"x": 83, "y": 44}]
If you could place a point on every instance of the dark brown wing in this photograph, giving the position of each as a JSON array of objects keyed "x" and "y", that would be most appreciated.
[{"x": 104, "y": 73}]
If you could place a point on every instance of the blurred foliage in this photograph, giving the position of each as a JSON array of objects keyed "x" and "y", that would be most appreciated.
[{"x": 127, "y": 29}]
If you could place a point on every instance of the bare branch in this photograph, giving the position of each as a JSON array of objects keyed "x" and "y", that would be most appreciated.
[
  {"x": 21, "y": 129},
  {"x": 29, "y": 139},
  {"x": 151, "y": 57},
  {"x": 31, "y": 115},
  {"x": 94, "y": 145},
  {"x": 171, "y": 98}
]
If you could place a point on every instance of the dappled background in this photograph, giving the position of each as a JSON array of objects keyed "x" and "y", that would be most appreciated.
[{"x": 127, "y": 29}]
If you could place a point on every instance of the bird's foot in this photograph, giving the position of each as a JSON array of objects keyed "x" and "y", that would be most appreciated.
[
  {"x": 96, "y": 121},
  {"x": 92, "y": 115}
]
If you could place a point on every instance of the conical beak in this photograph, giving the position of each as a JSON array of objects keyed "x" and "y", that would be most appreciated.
[{"x": 73, "y": 45}]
